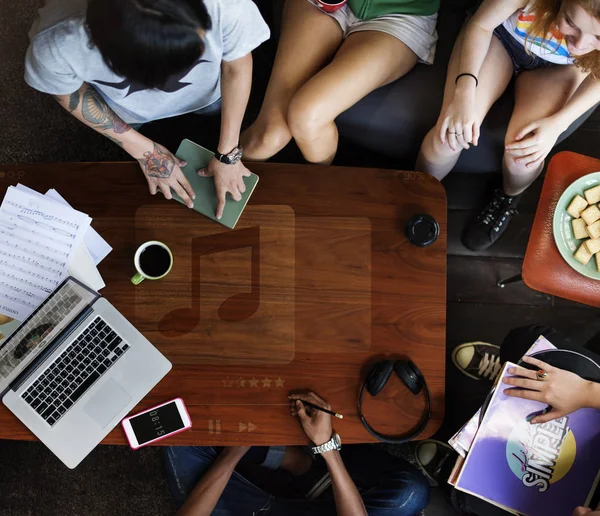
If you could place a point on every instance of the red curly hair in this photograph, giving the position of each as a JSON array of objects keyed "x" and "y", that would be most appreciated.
[{"x": 546, "y": 12}]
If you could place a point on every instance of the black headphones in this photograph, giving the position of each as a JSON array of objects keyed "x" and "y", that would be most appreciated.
[{"x": 412, "y": 377}]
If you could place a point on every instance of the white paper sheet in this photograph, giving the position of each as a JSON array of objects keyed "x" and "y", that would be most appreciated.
[
  {"x": 96, "y": 245},
  {"x": 82, "y": 268},
  {"x": 37, "y": 239}
]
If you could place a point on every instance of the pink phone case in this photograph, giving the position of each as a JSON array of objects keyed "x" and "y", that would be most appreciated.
[{"x": 162, "y": 436}]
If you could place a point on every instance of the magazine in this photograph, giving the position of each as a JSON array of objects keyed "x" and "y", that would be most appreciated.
[
  {"x": 535, "y": 470},
  {"x": 7, "y": 326},
  {"x": 461, "y": 441}
]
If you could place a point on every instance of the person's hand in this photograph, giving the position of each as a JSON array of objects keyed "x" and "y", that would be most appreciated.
[
  {"x": 534, "y": 142},
  {"x": 564, "y": 391},
  {"x": 581, "y": 511},
  {"x": 228, "y": 178},
  {"x": 163, "y": 172},
  {"x": 316, "y": 424},
  {"x": 460, "y": 126}
]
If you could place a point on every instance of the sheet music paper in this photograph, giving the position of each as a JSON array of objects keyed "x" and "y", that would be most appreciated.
[
  {"x": 96, "y": 245},
  {"x": 37, "y": 239}
]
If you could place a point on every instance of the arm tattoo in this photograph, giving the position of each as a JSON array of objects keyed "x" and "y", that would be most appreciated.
[
  {"x": 158, "y": 163},
  {"x": 73, "y": 101},
  {"x": 96, "y": 112},
  {"x": 114, "y": 140}
]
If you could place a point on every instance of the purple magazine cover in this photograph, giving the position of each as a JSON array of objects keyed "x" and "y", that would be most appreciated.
[{"x": 537, "y": 470}]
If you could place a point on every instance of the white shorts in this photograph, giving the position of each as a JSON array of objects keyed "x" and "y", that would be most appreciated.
[{"x": 416, "y": 32}]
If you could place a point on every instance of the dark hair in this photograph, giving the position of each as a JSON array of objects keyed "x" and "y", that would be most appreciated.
[{"x": 148, "y": 40}]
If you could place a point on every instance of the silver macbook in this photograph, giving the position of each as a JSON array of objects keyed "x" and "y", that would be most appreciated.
[{"x": 74, "y": 369}]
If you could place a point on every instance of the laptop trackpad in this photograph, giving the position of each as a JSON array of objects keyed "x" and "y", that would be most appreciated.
[{"x": 107, "y": 403}]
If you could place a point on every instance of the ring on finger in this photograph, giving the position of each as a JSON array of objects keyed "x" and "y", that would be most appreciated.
[{"x": 541, "y": 375}]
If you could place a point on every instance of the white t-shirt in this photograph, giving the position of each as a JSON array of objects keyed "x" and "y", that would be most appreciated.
[
  {"x": 552, "y": 48},
  {"x": 61, "y": 58}
]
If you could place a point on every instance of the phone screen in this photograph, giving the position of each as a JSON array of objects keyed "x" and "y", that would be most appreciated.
[{"x": 152, "y": 425}]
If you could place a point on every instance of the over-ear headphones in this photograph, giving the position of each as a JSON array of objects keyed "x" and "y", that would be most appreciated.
[{"x": 412, "y": 377}]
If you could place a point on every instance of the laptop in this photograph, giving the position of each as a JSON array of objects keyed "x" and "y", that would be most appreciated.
[{"x": 74, "y": 368}]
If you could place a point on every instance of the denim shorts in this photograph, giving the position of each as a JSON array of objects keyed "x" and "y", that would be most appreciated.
[{"x": 520, "y": 58}]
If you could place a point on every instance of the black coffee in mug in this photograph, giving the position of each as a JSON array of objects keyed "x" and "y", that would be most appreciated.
[{"x": 155, "y": 261}]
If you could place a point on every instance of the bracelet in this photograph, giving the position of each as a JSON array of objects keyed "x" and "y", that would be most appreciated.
[{"x": 468, "y": 75}]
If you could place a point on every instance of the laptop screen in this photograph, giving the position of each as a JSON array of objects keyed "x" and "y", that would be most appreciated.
[{"x": 55, "y": 314}]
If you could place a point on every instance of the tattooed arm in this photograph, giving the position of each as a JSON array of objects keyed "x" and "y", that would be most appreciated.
[{"x": 161, "y": 169}]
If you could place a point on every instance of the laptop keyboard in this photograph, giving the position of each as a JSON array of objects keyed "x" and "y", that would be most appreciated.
[{"x": 75, "y": 370}]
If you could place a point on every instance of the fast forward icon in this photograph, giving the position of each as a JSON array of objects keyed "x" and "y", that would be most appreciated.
[{"x": 244, "y": 426}]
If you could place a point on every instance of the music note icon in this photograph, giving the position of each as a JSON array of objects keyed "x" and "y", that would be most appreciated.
[{"x": 238, "y": 307}]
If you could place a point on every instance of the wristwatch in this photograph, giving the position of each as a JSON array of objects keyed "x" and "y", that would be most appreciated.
[
  {"x": 335, "y": 443},
  {"x": 232, "y": 157}
]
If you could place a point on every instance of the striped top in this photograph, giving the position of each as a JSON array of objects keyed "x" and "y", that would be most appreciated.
[{"x": 552, "y": 48}]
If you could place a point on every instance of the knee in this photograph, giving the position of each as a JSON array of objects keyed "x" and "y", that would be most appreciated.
[
  {"x": 513, "y": 167},
  {"x": 433, "y": 147},
  {"x": 305, "y": 118},
  {"x": 416, "y": 497},
  {"x": 404, "y": 490}
]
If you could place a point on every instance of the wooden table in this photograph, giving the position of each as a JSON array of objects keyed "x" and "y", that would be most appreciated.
[
  {"x": 544, "y": 269},
  {"x": 316, "y": 281}
]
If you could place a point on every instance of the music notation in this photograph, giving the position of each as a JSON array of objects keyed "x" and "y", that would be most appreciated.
[
  {"x": 37, "y": 239},
  {"x": 235, "y": 308},
  {"x": 23, "y": 281},
  {"x": 14, "y": 236}
]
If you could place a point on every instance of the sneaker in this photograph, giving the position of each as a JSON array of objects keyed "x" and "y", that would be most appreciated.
[
  {"x": 436, "y": 460},
  {"x": 477, "y": 360},
  {"x": 491, "y": 222}
]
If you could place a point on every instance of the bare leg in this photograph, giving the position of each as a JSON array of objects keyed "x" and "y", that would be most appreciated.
[
  {"x": 438, "y": 159},
  {"x": 365, "y": 61},
  {"x": 309, "y": 38},
  {"x": 557, "y": 83}
]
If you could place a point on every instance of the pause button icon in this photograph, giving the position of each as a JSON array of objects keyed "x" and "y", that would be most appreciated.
[{"x": 214, "y": 426}]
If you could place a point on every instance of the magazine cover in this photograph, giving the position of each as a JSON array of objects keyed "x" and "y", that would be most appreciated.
[
  {"x": 461, "y": 441},
  {"x": 7, "y": 326},
  {"x": 537, "y": 470}
]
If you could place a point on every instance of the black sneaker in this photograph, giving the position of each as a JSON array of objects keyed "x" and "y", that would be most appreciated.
[
  {"x": 491, "y": 222},
  {"x": 478, "y": 360}
]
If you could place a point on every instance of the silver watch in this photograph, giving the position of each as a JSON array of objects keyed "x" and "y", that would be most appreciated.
[
  {"x": 232, "y": 157},
  {"x": 335, "y": 443}
]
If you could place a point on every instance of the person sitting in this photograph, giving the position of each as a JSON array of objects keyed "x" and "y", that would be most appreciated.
[
  {"x": 564, "y": 391},
  {"x": 327, "y": 62},
  {"x": 116, "y": 64},
  {"x": 552, "y": 47},
  {"x": 234, "y": 481}
]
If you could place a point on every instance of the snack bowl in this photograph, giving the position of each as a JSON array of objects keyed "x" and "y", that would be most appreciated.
[{"x": 562, "y": 228}]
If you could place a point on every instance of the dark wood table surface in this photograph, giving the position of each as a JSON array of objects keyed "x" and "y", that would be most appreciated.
[
  {"x": 316, "y": 282},
  {"x": 544, "y": 269}
]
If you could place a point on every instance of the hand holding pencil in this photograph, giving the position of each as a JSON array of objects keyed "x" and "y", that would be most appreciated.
[{"x": 314, "y": 414}]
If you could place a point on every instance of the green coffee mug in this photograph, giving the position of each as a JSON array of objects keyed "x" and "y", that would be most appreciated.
[{"x": 153, "y": 260}]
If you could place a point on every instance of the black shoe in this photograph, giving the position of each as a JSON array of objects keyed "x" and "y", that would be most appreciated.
[{"x": 491, "y": 222}]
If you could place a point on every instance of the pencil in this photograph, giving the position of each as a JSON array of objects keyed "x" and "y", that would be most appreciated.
[{"x": 336, "y": 414}]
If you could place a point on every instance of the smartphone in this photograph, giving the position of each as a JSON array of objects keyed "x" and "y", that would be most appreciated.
[{"x": 156, "y": 423}]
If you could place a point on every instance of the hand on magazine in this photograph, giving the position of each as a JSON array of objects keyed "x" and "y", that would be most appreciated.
[
  {"x": 581, "y": 511},
  {"x": 564, "y": 391}
]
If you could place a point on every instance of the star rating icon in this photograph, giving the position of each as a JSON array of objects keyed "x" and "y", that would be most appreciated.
[
  {"x": 242, "y": 382},
  {"x": 266, "y": 382},
  {"x": 253, "y": 382},
  {"x": 279, "y": 382},
  {"x": 227, "y": 382}
]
